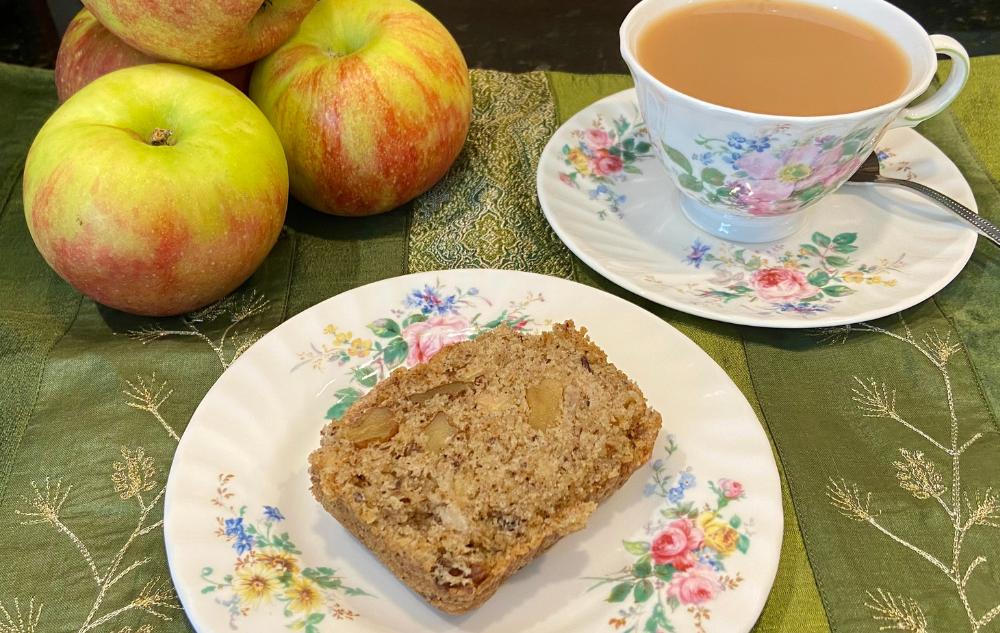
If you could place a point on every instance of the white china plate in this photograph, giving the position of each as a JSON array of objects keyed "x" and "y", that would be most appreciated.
[
  {"x": 239, "y": 514},
  {"x": 865, "y": 251}
]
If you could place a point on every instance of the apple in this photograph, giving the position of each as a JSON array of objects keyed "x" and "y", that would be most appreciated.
[
  {"x": 156, "y": 189},
  {"x": 372, "y": 101},
  {"x": 88, "y": 51},
  {"x": 208, "y": 34}
]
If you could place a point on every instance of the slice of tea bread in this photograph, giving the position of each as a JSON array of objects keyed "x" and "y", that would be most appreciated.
[{"x": 458, "y": 472}]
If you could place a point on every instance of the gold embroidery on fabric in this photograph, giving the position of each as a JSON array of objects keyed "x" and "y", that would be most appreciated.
[
  {"x": 15, "y": 621},
  {"x": 920, "y": 476},
  {"x": 485, "y": 213},
  {"x": 132, "y": 477},
  {"x": 902, "y": 614},
  {"x": 232, "y": 342},
  {"x": 149, "y": 398}
]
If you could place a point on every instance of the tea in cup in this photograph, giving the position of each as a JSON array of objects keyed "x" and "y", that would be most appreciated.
[{"x": 760, "y": 109}]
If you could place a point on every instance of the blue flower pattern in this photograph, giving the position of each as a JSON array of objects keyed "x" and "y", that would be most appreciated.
[
  {"x": 697, "y": 254},
  {"x": 429, "y": 301},
  {"x": 801, "y": 308},
  {"x": 235, "y": 528}
]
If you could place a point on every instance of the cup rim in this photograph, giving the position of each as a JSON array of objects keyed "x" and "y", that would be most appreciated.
[{"x": 898, "y": 103}]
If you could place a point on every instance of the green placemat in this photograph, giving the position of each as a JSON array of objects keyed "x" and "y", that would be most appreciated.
[{"x": 92, "y": 401}]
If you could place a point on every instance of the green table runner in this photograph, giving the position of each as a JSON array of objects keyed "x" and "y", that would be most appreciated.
[{"x": 886, "y": 432}]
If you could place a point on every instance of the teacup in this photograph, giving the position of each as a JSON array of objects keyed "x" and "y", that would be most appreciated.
[{"x": 749, "y": 198}]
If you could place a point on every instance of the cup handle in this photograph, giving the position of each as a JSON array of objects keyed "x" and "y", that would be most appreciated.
[{"x": 912, "y": 115}]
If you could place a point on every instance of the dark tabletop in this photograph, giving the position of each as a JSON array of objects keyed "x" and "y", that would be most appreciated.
[{"x": 513, "y": 35}]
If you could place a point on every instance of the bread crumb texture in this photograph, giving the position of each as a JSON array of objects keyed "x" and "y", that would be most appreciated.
[{"x": 459, "y": 471}]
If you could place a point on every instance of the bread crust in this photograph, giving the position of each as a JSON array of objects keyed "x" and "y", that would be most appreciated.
[{"x": 413, "y": 564}]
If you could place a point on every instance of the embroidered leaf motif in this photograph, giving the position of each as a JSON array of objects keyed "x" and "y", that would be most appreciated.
[
  {"x": 921, "y": 477},
  {"x": 918, "y": 475},
  {"x": 902, "y": 614},
  {"x": 636, "y": 547}
]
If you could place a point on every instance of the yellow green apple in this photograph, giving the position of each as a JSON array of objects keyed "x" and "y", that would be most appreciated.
[
  {"x": 207, "y": 34},
  {"x": 372, "y": 101},
  {"x": 156, "y": 189},
  {"x": 88, "y": 51}
]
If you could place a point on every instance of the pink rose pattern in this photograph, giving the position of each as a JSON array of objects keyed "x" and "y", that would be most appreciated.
[
  {"x": 429, "y": 319},
  {"x": 681, "y": 567},
  {"x": 675, "y": 545},
  {"x": 694, "y": 586},
  {"x": 426, "y": 338},
  {"x": 602, "y": 156},
  {"x": 804, "y": 279},
  {"x": 768, "y": 174},
  {"x": 781, "y": 284},
  {"x": 731, "y": 489}
]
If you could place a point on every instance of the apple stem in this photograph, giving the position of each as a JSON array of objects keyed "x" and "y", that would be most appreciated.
[{"x": 160, "y": 136}]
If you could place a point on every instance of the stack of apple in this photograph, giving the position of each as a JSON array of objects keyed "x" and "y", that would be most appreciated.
[{"x": 158, "y": 188}]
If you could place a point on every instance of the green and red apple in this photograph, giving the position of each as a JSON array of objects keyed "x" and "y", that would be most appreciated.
[
  {"x": 88, "y": 51},
  {"x": 156, "y": 189},
  {"x": 208, "y": 34},
  {"x": 372, "y": 101}
]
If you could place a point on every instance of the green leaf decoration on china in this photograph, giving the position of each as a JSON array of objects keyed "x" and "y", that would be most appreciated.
[
  {"x": 680, "y": 563},
  {"x": 806, "y": 279}
]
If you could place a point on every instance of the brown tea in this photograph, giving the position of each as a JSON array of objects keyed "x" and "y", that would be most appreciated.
[{"x": 774, "y": 57}]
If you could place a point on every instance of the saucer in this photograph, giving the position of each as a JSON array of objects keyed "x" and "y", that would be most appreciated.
[{"x": 864, "y": 252}]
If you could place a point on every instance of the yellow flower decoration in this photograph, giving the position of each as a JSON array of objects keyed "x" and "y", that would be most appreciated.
[
  {"x": 579, "y": 160},
  {"x": 303, "y": 595},
  {"x": 255, "y": 584},
  {"x": 874, "y": 279},
  {"x": 278, "y": 560},
  {"x": 342, "y": 337},
  {"x": 719, "y": 535},
  {"x": 854, "y": 277},
  {"x": 330, "y": 329},
  {"x": 360, "y": 347}
]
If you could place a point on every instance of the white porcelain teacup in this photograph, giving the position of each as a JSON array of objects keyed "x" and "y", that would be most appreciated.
[{"x": 777, "y": 166}]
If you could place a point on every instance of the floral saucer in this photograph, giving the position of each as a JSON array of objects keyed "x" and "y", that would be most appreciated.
[
  {"x": 865, "y": 251},
  {"x": 690, "y": 544}
]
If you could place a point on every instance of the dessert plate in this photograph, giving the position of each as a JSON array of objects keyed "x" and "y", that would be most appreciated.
[
  {"x": 690, "y": 542},
  {"x": 864, "y": 252}
]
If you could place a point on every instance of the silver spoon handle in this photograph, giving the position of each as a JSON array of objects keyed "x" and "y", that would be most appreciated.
[{"x": 983, "y": 225}]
